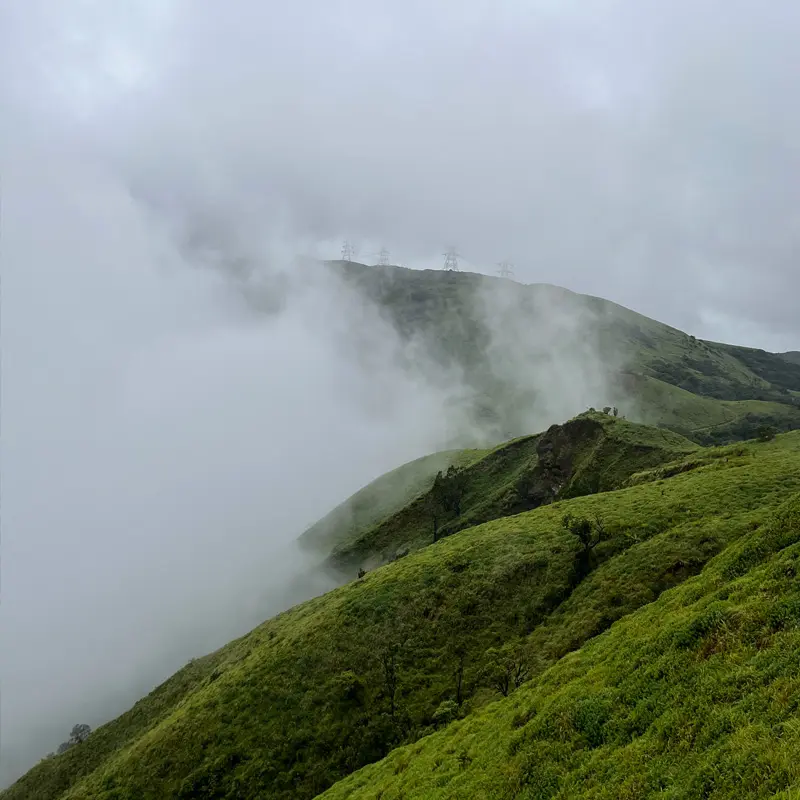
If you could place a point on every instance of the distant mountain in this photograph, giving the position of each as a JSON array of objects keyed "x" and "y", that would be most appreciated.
[
  {"x": 594, "y": 608},
  {"x": 793, "y": 356},
  {"x": 502, "y": 336}
]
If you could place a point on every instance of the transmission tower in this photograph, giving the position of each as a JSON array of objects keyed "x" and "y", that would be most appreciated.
[
  {"x": 451, "y": 260},
  {"x": 383, "y": 258},
  {"x": 347, "y": 251},
  {"x": 505, "y": 269}
]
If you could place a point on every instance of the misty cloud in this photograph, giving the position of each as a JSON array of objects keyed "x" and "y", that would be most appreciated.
[
  {"x": 545, "y": 354},
  {"x": 642, "y": 151},
  {"x": 165, "y": 441},
  {"x": 178, "y": 396}
]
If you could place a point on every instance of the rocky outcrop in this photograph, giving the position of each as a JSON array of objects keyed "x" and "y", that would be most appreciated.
[{"x": 556, "y": 452}]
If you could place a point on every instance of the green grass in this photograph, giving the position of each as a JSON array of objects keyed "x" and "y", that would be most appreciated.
[
  {"x": 489, "y": 480},
  {"x": 704, "y": 419},
  {"x": 443, "y": 309},
  {"x": 382, "y": 498},
  {"x": 595, "y": 452},
  {"x": 303, "y": 701},
  {"x": 772, "y": 367},
  {"x": 696, "y": 694}
]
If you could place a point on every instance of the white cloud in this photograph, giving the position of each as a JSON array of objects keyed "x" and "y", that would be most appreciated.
[{"x": 156, "y": 428}]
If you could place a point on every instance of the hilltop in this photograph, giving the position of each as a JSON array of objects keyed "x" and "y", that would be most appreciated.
[
  {"x": 488, "y": 328},
  {"x": 594, "y": 453},
  {"x": 497, "y": 661}
]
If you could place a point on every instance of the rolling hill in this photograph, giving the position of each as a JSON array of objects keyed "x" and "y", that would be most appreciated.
[
  {"x": 497, "y": 332},
  {"x": 497, "y": 661},
  {"x": 594, "y": 453},
  {"x": 606, "y": 607},
  {"x": 793, "y": 356},
  {"x": 693, "y": 695},
  {"x": 737, "y": 391}
]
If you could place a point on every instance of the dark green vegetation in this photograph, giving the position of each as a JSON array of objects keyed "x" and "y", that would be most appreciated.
[
  {"x": 779, "y": 370},
  {"x": 382, "y": 498},
  {"x": 704, "y": 419},
  {"x": 793, "y": 356},
  {"x": 603, "y": 609},
  {"x": 604, "y": 644},
  {"x": 593, "y": 453},
  {"x": 495, "y": 331},
  {"x": 695, "y": 695}
]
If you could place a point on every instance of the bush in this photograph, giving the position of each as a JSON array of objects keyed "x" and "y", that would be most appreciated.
[
  {"x": 445, "y": 713},
  {"x": 766, "y": 433}
]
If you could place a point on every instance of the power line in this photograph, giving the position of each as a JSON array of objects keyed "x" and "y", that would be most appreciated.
[
  {"x": 451, "y": 260},
  {"x": 505, "y": 269}
]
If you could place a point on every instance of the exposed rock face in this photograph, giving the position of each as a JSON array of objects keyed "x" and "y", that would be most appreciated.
[
  {"x": 555, "y": 451},
  {"x": 588, "y": 454}
]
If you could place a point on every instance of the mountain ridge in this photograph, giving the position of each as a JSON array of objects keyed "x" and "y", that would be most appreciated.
[
  {"x": 483, "y": 590},
  {"x": 389, "y": 659},
  {"x": 454, "y": 314},
  {"x": 592, "y": 453}
]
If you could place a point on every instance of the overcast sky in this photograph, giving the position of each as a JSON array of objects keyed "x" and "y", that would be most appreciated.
[{"x": 642, "y": 150}]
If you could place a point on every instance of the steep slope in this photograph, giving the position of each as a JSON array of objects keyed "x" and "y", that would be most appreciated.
[
  {"x": 772, "y": 367},
  {"x": 695, "y": 695},
  {"x": 456, "y": 316},
  {"x": 793, "y": 356},
  {"x": 704, "y": 419},
  {"x": 593, "y": 453},
  {"x": 383, "y": 497},
  {"x": 340, "y": 681}
]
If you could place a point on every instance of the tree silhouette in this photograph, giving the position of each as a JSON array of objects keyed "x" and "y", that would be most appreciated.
[{"x": 589, "y": 533}]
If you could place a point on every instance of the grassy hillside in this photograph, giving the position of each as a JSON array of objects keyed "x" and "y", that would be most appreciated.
[
  {"x": 772, "y": 367},
  {"x": 704, "y": 419},
  {"x": 592, "y": 453},
  {"x": 339, "y": 682},
  {"x": 694, "y": 695},
  {"x": 603, "y": 609},
  {"x": 383, "y": 497},
  {"x": 793, "y": 356},
  {"x": 458, "y": 315}
]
